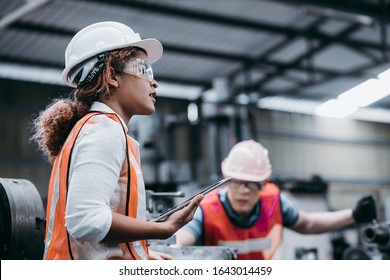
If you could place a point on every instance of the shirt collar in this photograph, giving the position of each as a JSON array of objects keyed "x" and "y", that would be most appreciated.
[{"x": 102, "y": 107}]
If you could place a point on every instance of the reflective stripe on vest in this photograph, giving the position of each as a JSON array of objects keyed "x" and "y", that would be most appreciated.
[
  {"x": 257, "y": 242},
  {"x": 58, "y": 244}
]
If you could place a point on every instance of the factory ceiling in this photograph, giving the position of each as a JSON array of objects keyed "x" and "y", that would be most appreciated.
[{"x": 307, "y": 50}]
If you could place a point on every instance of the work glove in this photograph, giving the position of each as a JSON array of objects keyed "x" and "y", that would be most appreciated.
[{"x": 365, "y": 210}]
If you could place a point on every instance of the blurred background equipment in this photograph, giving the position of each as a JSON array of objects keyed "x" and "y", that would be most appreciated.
[
  {"x": 22, "y": 220},
  {"x": 356, "y": 253},
  {"x": 158, "y": 202},
  {"x": 314, "y": 185}
]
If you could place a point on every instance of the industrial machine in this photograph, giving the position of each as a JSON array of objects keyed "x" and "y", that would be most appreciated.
[
  {"x": 379, "y": 234},
  {"x": 22, "y": 220}
]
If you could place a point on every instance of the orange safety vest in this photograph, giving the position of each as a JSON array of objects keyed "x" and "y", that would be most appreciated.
[
  {"x": 257, "y": 242},
  {"x": 58, "y": 243}
]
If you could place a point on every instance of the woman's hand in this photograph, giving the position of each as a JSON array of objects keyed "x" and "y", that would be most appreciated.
[{"x": 183, "y": 216}]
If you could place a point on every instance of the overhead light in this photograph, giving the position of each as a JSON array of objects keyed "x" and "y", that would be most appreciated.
[
  {"x": 335, "y": 108},
  {"x": 357, "y": 97},
  {"x": 334, "y": 14},
  {"x": 305, "y": 106},
  {"x": 288, "y": 104},
  {"x": 366, "y": 93}
]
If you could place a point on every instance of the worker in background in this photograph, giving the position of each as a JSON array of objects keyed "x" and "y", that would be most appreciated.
[
  {"x": 249, "y": 213},
  {"x": 96, "y": 198}
]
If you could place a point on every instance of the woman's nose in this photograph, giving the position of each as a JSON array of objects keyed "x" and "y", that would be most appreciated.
[{"x": 154, "y": 83}]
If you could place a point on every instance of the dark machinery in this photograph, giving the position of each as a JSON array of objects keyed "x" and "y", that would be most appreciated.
[
  {"x": 380, "y": 235},
  {"x": 373, "y": 244},
  {"x": 22, "y": 220}
]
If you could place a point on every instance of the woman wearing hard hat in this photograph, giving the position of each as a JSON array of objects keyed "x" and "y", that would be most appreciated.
[
  {"x": 250, "y": 213},
  {"x": 96, "y": 197}
]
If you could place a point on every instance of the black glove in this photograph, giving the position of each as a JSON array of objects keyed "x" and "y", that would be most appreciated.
[{"x": 365, "y": 210}]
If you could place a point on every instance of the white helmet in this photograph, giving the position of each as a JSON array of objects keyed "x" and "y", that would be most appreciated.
[
  {"x": 88, "y": 43},
  {"x": 247, "y": 161}
]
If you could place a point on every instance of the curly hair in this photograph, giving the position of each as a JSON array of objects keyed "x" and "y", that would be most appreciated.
[{"x": 53, "y": 125}]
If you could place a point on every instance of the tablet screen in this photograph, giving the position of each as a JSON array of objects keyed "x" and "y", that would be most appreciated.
[{"x": 205, "y": 191}]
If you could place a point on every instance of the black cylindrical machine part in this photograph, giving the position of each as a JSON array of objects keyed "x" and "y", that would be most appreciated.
[
  {"x": 379, "y": 234},
  {"x": 22, "y": 220}
]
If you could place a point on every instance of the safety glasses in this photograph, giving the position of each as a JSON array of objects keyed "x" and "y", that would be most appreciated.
[
  {"x": 139, "y": 67},
  {"x": 252, "y": 186}
]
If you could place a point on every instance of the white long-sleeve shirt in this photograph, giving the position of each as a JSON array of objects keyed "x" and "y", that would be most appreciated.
[{"x": 94, "y": 191}]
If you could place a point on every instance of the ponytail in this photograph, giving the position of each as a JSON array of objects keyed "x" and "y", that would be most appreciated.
[{"x": 53, "y": 125}]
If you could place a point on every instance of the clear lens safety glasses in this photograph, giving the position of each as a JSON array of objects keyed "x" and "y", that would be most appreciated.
[{"x": 139, "y": 67}]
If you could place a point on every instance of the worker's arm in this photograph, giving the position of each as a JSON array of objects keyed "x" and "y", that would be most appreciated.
[
  {"x": 184, "y": 238},
  {"x": 191, "y": 233},
  {"x": 320, "y": 222}
]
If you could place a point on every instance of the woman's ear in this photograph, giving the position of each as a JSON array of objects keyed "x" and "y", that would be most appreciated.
[{"x": 113, "y": 80}]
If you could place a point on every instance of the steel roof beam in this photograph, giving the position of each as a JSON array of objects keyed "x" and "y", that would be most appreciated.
[
  {"x": 232, "y": 21},
  {"x": 29, "y": 6},
  {"x": 305, "y": 56},
  {"x": 171, "y": 48},
  {"x": 379, "y": 11}
]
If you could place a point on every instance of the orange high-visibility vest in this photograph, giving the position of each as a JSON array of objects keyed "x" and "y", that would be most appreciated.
[
  {"x": 58, "y": 243},
  {"x": 257, "y": 242}
]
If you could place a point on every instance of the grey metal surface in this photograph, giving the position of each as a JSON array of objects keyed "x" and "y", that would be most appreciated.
[{"x": 196, "y": 252}]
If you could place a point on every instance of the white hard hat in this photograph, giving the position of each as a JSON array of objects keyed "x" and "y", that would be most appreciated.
[
  {"x": 101, "y": 37},
  {"x": 247, "y": 161}
]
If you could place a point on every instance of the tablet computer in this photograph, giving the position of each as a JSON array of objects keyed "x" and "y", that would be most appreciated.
[{"x": 205, "y": 191}]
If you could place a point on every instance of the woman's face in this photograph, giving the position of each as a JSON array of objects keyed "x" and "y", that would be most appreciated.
[{"x": 135, "y": 94}]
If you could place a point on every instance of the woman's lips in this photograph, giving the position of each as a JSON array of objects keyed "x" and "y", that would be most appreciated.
[{"x": 153, "y": 97}]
